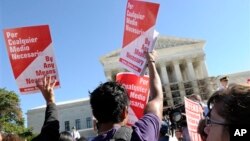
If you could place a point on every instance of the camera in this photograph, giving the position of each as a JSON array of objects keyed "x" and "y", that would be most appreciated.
[{"x": 176, "y": 116}]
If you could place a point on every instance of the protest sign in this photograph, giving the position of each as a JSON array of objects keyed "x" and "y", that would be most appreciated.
[
  {"x": 194, "y": 112},
  {"x": 138, "y": 92},
  {"x": 138, "y": 34},
  {"x": 31, "y": 56}
]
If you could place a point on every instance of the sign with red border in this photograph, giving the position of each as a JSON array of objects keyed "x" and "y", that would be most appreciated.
[
  {"x": 31, "y": 56},
  {"x": 194, "y": 113},
  {"x": 138, "y": 92},
  {"x": 138, "y": 34}
]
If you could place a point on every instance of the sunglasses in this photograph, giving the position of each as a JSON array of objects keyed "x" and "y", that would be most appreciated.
[{"x": 209, "y": 121}]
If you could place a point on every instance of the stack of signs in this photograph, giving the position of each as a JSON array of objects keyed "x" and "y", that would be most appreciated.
[
  {"x": 194, "y": 113},
  {"x": 138, "y": 92},
  {"x": 31, "y": 56},
  {"x": 138, "y": 35}
]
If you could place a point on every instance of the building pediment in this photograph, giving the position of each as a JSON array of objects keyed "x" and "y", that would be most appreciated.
[
  {"x": 170, "y": 41},
  {"x": 162, "y": 42}
]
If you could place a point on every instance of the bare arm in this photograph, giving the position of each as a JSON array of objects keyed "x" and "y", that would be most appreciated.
[
  {"x": 50, "y": 129},
  {"x": 154, "y": 106}
]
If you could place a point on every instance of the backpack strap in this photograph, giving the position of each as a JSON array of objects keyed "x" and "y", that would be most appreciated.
[{"x": 124, "y": 133}]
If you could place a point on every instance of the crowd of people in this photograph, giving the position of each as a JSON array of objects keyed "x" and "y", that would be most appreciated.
[{"x": 228, "y": 109}]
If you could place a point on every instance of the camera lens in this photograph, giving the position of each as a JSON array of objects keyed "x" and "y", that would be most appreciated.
[{"x": 176, "y": 116}]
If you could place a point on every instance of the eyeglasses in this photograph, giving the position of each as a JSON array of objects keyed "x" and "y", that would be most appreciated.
[{"x": 209, "y": 121}]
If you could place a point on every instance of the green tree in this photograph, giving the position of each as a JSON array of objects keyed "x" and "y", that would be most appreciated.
[{"x": 11, "y": 119}]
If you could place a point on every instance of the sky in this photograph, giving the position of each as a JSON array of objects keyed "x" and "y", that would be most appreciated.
[{"x": 82, "y": 31}]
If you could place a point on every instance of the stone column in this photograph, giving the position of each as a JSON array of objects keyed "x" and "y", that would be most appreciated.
[
  {"x": 164, "y": 74},
  {"x": 178, "y": 76},
  {"x": 177, "y": 71},
  {"x": 108, "y": 75},
  {"x": 203, "y": 68},
  {"x": 191, "y": 75},
  {"x": 165, "y": 83},
  {"x": 208, "y": 87}
]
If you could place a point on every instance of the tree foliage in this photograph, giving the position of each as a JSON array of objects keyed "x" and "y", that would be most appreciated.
[{"x": 11, "y": 119}]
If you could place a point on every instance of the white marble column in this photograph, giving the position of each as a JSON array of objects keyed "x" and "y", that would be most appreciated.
[
  {"x": 179, "y": 79},
  {"x": 108, "y": 75},
  {"x": 177, "y": 71},
  {"x": 165, "y": 83},
  {"x": 164, "y": 74},
  {"x": 190, "y": 68},
  {"x": 191, "y": 74},
  {"x": 203, "y": 68},
  {"x": 204, "y": 75}
]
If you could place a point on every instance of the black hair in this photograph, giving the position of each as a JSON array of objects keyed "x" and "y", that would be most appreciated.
[
  {"x": 65, "y": 136},
  {"x": 233, "y": 104},
  {"x": 225, "y": 78},
  {"x": 11, "y": 137},
  {"x": 200, "y": 129},
  {"x": 82, "y": 139},
  {"x": 108, "y": 101}
]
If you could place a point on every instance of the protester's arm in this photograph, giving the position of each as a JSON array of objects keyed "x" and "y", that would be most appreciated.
[
  {"x": 148, "y": 127},
  {"x": 47, "y": 89},
  {"x": 50, "y": 129},
  {"x": 154, "y": 106}
]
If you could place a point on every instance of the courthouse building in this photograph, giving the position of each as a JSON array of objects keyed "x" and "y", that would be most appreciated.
[
  {"x": 181, "y": 65},
  {"x": 183, "y": 71}
]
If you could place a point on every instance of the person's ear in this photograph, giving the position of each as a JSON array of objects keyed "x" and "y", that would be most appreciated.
[
  {"x": 124, "y": 113},
  {"x": 206, "y": 129}
]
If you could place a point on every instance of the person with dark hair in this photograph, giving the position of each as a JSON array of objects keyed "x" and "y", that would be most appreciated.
[
  {"x": 228, "y": 109},
  {"x": 200, "y": 130},
  {"x": 82, "y": 139},
  {"x": 163, "y": 131},
  {"x": 65, "y": 136},
  {"x": 11, "y": 137},
  {"x": 223, "y": 83},
  {"x": 109, "y": 103},
  {"x": 50, "y": 129},
  {"x": 195, "y": 97}
]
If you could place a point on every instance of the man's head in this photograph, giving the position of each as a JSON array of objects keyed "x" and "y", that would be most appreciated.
[
  {"x": 11, "y": 137},
  {"x": 224, "y": 78},
  {"x": 65, "y": 136},
  {"x": 164, "y": 128},
  {"x": 228, "y": 109},
  {"x": 109, "y": 101},
  {"x": 224, "y": 81},
  {"x": 195, "y": 97}
]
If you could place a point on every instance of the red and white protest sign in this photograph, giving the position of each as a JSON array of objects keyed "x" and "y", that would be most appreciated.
[
  {"x": 31, "y": 56},
  {"x": 194, "y": 112},
  {"x": 138, "y": 92},
  {"x": 138, "y": 34}
]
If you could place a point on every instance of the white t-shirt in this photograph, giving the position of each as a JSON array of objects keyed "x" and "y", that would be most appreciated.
[{"x": 75, "y": 134}]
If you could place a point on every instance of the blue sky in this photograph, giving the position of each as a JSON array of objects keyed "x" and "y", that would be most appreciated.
[{"x": 83, "y": 31}]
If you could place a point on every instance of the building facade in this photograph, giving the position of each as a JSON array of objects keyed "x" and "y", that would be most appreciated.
[
  {"x": 181, "y": 65},
  {"x": 182, "y": 68},
  {"x": 71, "y": 113}
]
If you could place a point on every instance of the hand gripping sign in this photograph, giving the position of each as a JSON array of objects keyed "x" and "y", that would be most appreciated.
[
  {"x": 138, "y": 35},
  {"x": 138, "y": 92},
  {"x": 31, "y": 56}
]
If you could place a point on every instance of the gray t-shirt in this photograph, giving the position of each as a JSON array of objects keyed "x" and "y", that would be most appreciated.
[{"x": 145, "y": 129}]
